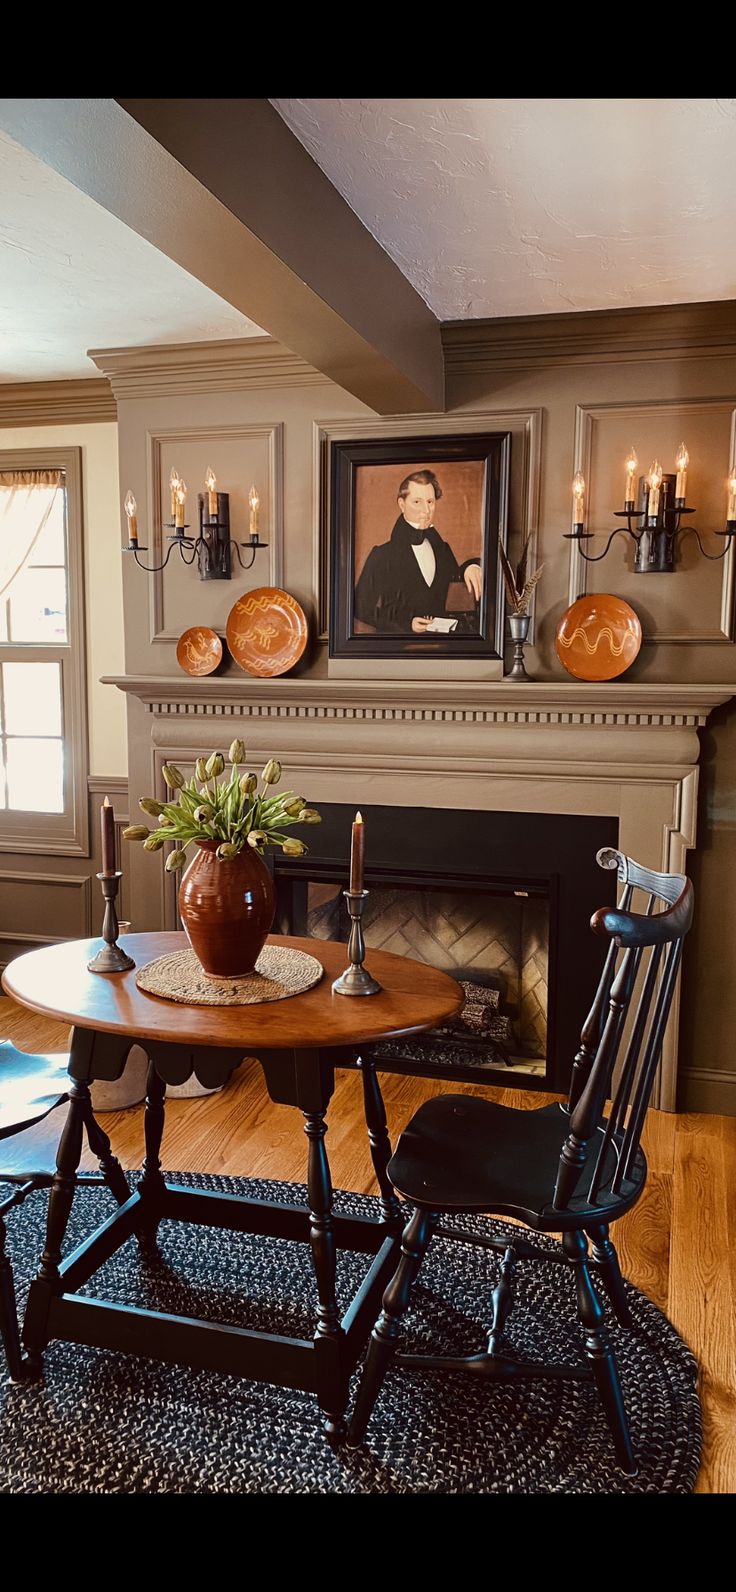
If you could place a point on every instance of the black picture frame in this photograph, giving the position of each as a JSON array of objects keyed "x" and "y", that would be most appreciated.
[{"x": 403, "y": 454}]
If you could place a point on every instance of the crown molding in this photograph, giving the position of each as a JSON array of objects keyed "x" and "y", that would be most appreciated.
[
  {"x": 670, "y": 331},
  {"x": 56, "y": 403},
  {"x": 161, "y": 370},
  {"x": 538, "y": 702}
]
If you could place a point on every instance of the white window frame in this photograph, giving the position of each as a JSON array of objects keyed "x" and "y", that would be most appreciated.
[{"x": 66, "y": 833}]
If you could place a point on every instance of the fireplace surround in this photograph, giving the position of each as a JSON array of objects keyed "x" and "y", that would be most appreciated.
[{"x": 623, "y": 752}]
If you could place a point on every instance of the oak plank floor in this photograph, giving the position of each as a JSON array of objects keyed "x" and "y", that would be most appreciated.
[{"x": 678, "y": 1244}]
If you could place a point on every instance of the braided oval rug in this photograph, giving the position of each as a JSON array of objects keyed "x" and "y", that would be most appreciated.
[{"x": 104, "y": 1422}]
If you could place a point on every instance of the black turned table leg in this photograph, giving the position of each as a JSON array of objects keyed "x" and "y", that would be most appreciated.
[
  {"x": 375, "y": 1117},
  {"x": 152, "y": 1187},
  {"x": 9, "y": 1313},
  {"x": 329, "y": 1339},
  {"x": 112, "y": 1171},
  {"x": 48, "y": 1282}
]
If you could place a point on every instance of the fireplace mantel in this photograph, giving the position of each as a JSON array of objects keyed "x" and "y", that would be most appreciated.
[
  {"x": 628, "y": 751},
  {"x": 488, "y": 702}
]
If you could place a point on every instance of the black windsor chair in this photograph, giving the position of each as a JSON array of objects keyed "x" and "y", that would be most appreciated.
[{"x": 564, "y": 1169}]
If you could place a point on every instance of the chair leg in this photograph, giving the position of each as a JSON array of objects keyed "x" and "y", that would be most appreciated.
[
  {"x": 609, "y": 1271},
  {"x": 384, "y": 1338},
  {"x": 9, "y": 1314},
  {"x": 599, "y": 1352}
]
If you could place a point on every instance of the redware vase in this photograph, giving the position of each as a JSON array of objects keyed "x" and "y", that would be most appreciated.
[{"x": 227, "y": 908}]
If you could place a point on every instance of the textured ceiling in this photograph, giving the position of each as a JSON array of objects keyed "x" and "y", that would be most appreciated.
[
  {"x": 73, "y": 277},
  {"x": 520, "y": 207}
]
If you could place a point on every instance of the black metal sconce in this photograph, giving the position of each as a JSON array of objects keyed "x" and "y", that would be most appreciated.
[
  {"x": 212, "y": 548},
  {"x": 654, "y": 519}
]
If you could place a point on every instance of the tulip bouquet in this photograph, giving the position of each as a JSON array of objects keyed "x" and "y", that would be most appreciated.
[{"x": 232, "y": 812}]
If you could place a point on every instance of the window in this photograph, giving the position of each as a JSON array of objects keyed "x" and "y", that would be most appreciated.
[{"x": 42, "y": 673}]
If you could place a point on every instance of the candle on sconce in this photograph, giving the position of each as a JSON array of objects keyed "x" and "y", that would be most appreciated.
[
  {"x": 210, "y": 482},
  {"x": 107, "y": 830},
  {"x": 632, "y": 465},
  {"x": 174, "y": 482},
  {"x": 181, "y": 499},
  {"x": 655, "y": 483},
  {"x": 731, "y": 510},
  {"x": 578, "y": 498},
  {"x": 130, "y": 509},
  {"x": 254, "y": 503},
  {"x": 357, "y": 855},
  {"x": 682, "y": 461}
]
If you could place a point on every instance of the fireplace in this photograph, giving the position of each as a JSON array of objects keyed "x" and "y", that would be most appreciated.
[{"x": 500, "y": 900}]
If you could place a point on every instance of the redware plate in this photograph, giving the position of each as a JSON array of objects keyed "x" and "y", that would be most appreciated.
[
  {"x": 598, "y": 637},
  {"x": 199, "y": 650},
  {"x": 267, "y": 631}
]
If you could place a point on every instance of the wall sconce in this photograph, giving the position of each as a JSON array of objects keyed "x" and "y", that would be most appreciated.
[
  {"x": 212, "y": 547},
  {"x": 653, "y": 517}
]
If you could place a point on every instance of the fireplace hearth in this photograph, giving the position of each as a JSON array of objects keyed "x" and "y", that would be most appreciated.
[{"x": 500, "y": 900}]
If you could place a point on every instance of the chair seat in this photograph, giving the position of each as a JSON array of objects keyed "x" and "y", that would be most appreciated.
[
  {"x": 30, "y": 1087},
  {"x": 462, "y": 1153}
]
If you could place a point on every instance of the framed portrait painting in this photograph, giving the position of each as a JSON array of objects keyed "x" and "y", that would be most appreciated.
[{"x": 415, "y": 525}]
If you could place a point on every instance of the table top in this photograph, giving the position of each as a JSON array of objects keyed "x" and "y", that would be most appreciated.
[{"x": 57, "y": 983}]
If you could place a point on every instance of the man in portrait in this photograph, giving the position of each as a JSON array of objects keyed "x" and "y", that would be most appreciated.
[{"x": 404, "y": 583}]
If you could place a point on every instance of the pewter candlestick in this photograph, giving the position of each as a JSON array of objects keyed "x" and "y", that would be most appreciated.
[
  {"x": 356, "y": 980},
  {"x": 111, "y": 959}
]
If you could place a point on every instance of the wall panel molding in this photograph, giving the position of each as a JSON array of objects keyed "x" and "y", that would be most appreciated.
[
  {"x": 590, "y": 415},
  {"x": 80, "y": 884},
  {"x": 273, "y": 436}
]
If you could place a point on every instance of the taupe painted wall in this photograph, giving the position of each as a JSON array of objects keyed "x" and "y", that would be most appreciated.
[{"x": 603, "y": 397}]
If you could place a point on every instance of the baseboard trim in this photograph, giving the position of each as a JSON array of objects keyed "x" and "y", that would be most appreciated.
[{"x": 706, "y": 1090}]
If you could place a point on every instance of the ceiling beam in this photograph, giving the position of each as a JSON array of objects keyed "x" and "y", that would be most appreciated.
[{"x": 224, "y": 188}]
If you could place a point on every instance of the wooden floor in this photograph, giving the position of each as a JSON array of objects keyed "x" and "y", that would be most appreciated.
[{"x": 678, "y": 1244}]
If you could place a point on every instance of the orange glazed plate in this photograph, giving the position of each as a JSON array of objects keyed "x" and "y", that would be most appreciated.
[
  {"x": 267, "y": 631},
  {"x": 598, "y": 638},
  {"x": 199, "y": 650}
]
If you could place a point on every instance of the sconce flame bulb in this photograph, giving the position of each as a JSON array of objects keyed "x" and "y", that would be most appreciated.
[
  {"x": 174, "y": 478},
  {"x": 632, "y": 463},
  {"x": 655, "y": 476},
  {"x": 129, "y": 505},
  {"x": 578, "y": 484},
  {"x": 210, "y": 479},
  {"x": 683, "y": 457},
  {"x": 181, "y": 491},
  {"x": 253, "y": 498}
]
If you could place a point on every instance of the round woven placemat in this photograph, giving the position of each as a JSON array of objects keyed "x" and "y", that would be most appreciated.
[{"x": 280, "y": 972}]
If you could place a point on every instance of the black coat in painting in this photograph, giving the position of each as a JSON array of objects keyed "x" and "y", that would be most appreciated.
[{"x": 391, "y": 589}]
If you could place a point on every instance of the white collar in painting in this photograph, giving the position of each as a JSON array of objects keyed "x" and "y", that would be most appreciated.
[{"x": 424, "y": 555}]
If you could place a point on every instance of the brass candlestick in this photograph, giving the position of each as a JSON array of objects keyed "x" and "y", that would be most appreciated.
[
  {"x": 111, "y": 959},
  {"x": 356, "y": 980}
]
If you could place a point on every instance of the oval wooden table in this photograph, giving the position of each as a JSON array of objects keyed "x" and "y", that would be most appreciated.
[{"x": 299, "y": 1042}]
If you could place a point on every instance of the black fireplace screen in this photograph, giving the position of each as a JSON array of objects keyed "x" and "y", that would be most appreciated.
[{"x": 495, "y": 945}]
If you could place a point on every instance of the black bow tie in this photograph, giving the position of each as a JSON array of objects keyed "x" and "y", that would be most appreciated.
[{"x": 416, "y": 536}]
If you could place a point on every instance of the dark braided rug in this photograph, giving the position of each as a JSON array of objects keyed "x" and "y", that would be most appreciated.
[{"x": 103, "y": 1422}]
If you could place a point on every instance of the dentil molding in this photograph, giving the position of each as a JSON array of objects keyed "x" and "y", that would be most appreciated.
[{"x": 538, "y": 702}]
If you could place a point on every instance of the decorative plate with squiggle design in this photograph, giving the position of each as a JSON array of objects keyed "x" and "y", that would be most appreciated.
[
  {"x": 598, "y": 637},
  {"x": 267, "y": 631}
]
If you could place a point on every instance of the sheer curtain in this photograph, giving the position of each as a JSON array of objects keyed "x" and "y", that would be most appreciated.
[{"x": 26, "y": 500}]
